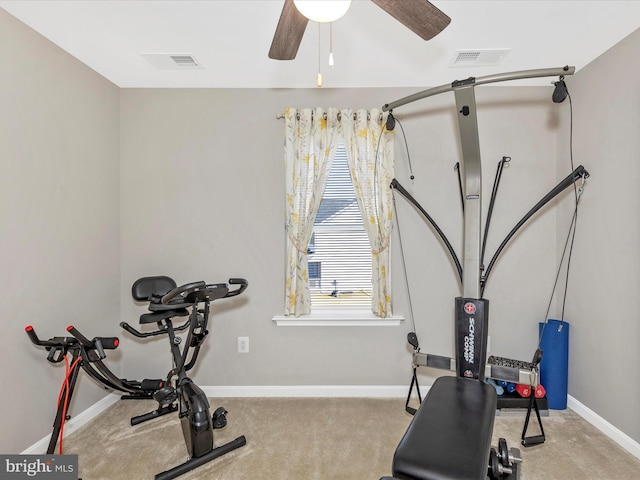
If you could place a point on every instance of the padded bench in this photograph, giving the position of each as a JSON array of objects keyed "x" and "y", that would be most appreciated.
[{"x": 449, "y": 437}]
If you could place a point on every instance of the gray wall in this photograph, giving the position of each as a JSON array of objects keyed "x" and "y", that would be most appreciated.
[
  {"x": 59, "y": 221},
  {"x": 604, "y": 353},
  {"x": 202, "y": 197},
  {"x": 101, "y": 186}
]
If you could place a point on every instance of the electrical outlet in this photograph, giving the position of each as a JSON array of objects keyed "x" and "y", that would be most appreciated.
[{"x": 243, "y": 344}]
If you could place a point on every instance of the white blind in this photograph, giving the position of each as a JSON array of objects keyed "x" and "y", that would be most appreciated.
[{"x": 339, "y": 251}]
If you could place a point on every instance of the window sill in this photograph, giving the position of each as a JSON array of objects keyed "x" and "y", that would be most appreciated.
[{"x": 328, "y": 317}]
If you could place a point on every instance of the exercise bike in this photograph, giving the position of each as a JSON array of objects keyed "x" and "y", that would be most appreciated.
[{"x": 176, "y": 392}]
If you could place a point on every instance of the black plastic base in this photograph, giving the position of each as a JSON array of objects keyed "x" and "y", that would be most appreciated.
[
  {"x": 199, "y": 461},
  {"x": 513, "y": 400}
]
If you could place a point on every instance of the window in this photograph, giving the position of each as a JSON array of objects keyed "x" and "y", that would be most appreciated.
[
  {"x": 339, "y": 253},
  {"x": 331, "y": 253}
]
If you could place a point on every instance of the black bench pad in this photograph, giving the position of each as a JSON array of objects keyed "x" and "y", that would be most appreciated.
[{"x": 449, "y": 437}]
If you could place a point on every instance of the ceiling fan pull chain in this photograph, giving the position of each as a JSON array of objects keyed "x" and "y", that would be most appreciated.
[
  {"x": 331, "y": 62},
  {"x": 319, "y": 80}
]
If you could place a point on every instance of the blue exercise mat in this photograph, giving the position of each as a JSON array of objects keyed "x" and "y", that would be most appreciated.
[{"x": 554, "y": 367}]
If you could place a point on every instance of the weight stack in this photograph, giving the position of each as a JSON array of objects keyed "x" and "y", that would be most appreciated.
[{"x": 554, "y": 367}]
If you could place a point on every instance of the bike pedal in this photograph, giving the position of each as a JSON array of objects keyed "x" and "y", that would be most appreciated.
[
  {"x": 151, "y": 384},
  {"x": 219, "y": 418},
  {"x": 166, "y": 395}
]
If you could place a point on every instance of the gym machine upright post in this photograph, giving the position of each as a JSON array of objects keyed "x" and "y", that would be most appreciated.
[
  {"x": 461, "y": 409},
  {"x": 175, "y": 393}
]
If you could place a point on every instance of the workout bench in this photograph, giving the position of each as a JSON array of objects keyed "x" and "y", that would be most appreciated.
[{"x": 450, "y": 434}]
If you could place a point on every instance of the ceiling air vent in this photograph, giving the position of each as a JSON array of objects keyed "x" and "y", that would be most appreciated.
[
  {"x": 184, "y": 60},
  {"x": 479, "y": 57},
  {"x": 172, "y": 61}
]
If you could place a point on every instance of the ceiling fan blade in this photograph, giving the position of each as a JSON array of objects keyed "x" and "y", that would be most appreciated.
[
  {"x": 289, "y": 31},
  {"x": 420, "y": 16}
]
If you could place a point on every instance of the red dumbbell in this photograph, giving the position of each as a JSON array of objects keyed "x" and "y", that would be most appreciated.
[
  {"x": 540, "y": 392},
  {"x": 523, "y": 390}
]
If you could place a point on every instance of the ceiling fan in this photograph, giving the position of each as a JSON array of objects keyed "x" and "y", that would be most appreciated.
[{"x": 420, "y": 16}]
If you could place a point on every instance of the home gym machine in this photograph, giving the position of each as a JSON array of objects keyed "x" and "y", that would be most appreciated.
[
  {"x": 450, "y": 434},
  {"x": 176, "y": 392}
]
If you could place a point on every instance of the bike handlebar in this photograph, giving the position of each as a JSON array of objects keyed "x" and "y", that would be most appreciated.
[
  {"x": 100, "y": 344},
  {"x": 186, "y": 288},
  {"x": 139, "y": 334},
  {"x": 52, "y": 342},
  {"x": 110, "y": 343},
  {"x": 237, "y": 281}
]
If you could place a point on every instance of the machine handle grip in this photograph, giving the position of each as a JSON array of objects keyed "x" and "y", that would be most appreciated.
[
  {"x": 105, "y": 343},
  {"x": 109, "y": 343},
  {"x": 132, "y": 330},
  {"x": 33, "y": 336},
  {"x": 138, "y": 334},
  {"x": 237, "y": 281},
  {"x": 98, "y": 343},
  {"x": 81, "y": 338},
  {"x": 52, "y": 342},
  {"x": 56, "y": 354},
  {"x": 57, "y": 346}
]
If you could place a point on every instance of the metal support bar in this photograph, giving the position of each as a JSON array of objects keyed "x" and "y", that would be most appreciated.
[
  {"x": 472, "y": 176},
  {"x": 516, "y": 374},
  {"x": 501, "y": 77}
]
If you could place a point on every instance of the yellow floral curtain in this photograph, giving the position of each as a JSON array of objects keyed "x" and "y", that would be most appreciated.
[
  {"x": 311, "y": 137},
  {"x": 370, "y": 149}
]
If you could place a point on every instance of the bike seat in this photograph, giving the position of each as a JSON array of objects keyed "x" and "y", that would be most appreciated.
[
  {"x": 159, "y": 316},
  {"x": 175, "y": 304},
  {"x": 143, "y": 288}
]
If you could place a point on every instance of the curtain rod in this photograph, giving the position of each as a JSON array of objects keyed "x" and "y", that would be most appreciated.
[{"x": 280, "y": 116}]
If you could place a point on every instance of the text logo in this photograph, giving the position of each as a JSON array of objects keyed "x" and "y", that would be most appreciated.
[
  {"x": 49, "y": 467},
  {"x": 469, "y": 342}
]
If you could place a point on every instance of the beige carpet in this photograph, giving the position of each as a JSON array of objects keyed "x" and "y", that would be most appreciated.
[{"x": 323, "y": 439}]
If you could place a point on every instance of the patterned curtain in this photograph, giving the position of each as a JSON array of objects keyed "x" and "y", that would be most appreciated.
[
  {"x": 370, "y": 150},
  {"x": 311, "y": 137}
]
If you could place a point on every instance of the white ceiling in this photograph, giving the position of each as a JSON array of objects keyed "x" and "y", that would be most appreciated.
[{"x": 230, "y": 39}]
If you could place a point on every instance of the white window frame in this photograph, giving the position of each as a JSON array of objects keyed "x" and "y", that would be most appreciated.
[{"x": 338, "y": 316}]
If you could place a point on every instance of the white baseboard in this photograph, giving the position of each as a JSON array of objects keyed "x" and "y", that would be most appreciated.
[
  {"x": 354, "y": 391},
  {"x": 615, "y": 434},
  {"x": 74, "y": 423}
]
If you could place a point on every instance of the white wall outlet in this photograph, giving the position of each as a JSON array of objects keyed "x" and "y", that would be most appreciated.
[{"x": 243, "y": 344}]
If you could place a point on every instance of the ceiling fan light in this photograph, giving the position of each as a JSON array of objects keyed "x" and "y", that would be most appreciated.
[{"x": 322, "y": 10}]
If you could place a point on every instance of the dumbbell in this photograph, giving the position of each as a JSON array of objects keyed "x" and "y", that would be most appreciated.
[
  {"x": 540, "y": 392},
  {"x": 494, "y": 384},
  {"x": 510, "y": 387},
  {"x": 523, "y": 390}
]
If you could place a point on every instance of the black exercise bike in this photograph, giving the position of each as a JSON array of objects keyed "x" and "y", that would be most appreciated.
[{"x": 176, "y": 392}]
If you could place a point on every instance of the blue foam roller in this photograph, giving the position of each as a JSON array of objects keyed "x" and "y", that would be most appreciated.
[{"x": 554, "y": 367}]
